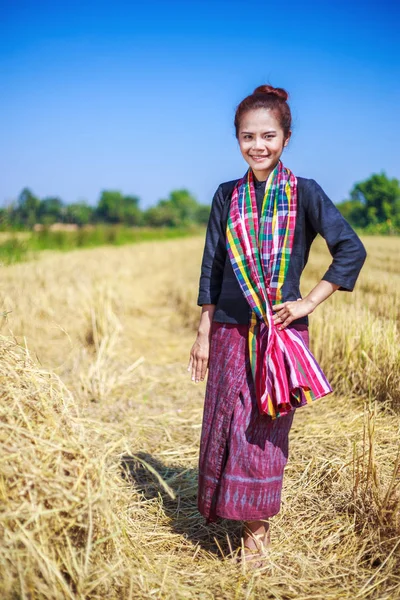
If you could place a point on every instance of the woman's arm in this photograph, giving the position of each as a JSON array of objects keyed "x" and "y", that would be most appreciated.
[
  {"x": 214, "y": 254},
  {"x": 345, "y": 247},
  {"x": 212, "y": 268},
  {"x": 199, "y": 353},
  {"x": 286, "y": 312}
]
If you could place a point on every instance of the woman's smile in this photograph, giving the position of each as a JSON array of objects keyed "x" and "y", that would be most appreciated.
[{"x": 259, "y": 158}]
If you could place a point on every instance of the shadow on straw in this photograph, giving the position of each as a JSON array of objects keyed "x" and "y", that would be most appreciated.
[{"x": 177, "y": 487}]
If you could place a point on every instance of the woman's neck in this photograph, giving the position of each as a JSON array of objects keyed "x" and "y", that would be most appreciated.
[
  {"x": 263, "y": 175},
  {"x": 262, "y": 178}
]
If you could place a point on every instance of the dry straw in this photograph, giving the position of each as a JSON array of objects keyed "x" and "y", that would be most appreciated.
[{"x": 100, "y": 424}]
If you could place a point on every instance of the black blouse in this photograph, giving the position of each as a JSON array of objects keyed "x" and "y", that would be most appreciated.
[{"x": 316, "y": 213}]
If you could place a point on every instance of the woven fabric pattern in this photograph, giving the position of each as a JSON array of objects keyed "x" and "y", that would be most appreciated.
[
  {"x": 243, "y": 453},
  {"x": 285, "y": 372}
]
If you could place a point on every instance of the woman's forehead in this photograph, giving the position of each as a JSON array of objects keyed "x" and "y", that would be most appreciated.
[{"x": 259, "y": 119}]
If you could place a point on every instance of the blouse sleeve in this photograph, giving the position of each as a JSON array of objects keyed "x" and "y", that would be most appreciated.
[
  {"x": 214, "y": 254},
  {"x": 345, "y": 246}
]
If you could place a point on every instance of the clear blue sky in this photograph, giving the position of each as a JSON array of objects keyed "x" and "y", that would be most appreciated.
[{"x": 140, "y": 97}]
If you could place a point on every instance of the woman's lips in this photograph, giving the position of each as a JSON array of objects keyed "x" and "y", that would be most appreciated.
[{"x": 258, "y": 158}]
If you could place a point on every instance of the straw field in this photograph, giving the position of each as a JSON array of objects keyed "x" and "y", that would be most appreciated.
[{"x": 100, "y": 425}]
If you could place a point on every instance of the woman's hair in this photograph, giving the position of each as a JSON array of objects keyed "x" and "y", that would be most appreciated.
[{"x": 266, "y": 96}]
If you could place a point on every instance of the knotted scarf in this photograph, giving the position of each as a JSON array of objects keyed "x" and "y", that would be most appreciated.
[{"x": 286, "y": 374}]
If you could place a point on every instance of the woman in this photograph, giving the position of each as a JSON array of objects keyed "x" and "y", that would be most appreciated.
[{"x": 253, "y": 331}]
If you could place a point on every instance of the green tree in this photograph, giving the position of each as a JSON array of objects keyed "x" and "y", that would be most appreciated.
[
  {"x": 4, "y": 219},
  {"x": 114, "y": 207},
  {"x": 179, "y": 210},
  {"x": 79, "y": 212},
  {"x": 373, "y": 201},
  {"x": 51, "y": 210},
  {"x": 185, "y": 205},
  {"x": 132, "y": 212},
  {"x": 109, "y": 206},
  {"x": 162, "y": 215},
  {"x": 354, "y": 212},
  {"x": 203, "y": 213},
  {"x": 27, "y": 210}
]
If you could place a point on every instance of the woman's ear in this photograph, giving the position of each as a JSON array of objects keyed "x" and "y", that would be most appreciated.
[{"x": 287, "y": 139}]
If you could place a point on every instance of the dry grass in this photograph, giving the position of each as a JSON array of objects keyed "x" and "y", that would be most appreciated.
[{"x": 100, "y": 423}]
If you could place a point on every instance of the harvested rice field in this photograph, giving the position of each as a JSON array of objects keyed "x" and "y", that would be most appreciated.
[{"x": 100, "y": 425}]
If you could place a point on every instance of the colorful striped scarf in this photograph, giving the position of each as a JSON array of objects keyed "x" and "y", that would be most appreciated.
[{"x": 286, "y": 374}]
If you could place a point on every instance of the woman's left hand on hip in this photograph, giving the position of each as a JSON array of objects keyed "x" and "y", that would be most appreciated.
[{"x": 286, "y": 312}]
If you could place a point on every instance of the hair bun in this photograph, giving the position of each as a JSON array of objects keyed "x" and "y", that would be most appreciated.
[{"x": 268, "y": 89}]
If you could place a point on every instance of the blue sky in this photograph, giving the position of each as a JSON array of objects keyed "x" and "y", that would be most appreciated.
[{"x": 140, "y": 97}]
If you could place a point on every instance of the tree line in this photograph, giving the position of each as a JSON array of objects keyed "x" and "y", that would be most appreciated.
[
  {"x": 113, "y": 207},
  {"x": 374, "y": 205}
]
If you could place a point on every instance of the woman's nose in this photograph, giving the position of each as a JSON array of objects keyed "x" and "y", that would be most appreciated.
[{"x": 258, "y": 142}]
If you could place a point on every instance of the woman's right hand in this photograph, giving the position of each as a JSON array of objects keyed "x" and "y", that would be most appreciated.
[{"x": 199, "y": 355}]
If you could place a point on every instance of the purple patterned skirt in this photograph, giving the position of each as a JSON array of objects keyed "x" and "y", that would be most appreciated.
[{"x": 242, "y": 453}]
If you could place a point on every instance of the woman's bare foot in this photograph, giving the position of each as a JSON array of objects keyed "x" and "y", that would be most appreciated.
[{"x": 256, "y": 541}]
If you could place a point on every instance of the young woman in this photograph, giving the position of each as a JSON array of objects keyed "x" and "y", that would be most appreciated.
[{"x": 253, "y": 331}]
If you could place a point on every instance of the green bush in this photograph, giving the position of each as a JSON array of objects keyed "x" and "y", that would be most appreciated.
[{"x": 13, "y": 250}]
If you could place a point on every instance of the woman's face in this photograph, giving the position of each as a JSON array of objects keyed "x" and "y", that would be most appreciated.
[{"x": 261, "y": 141}]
